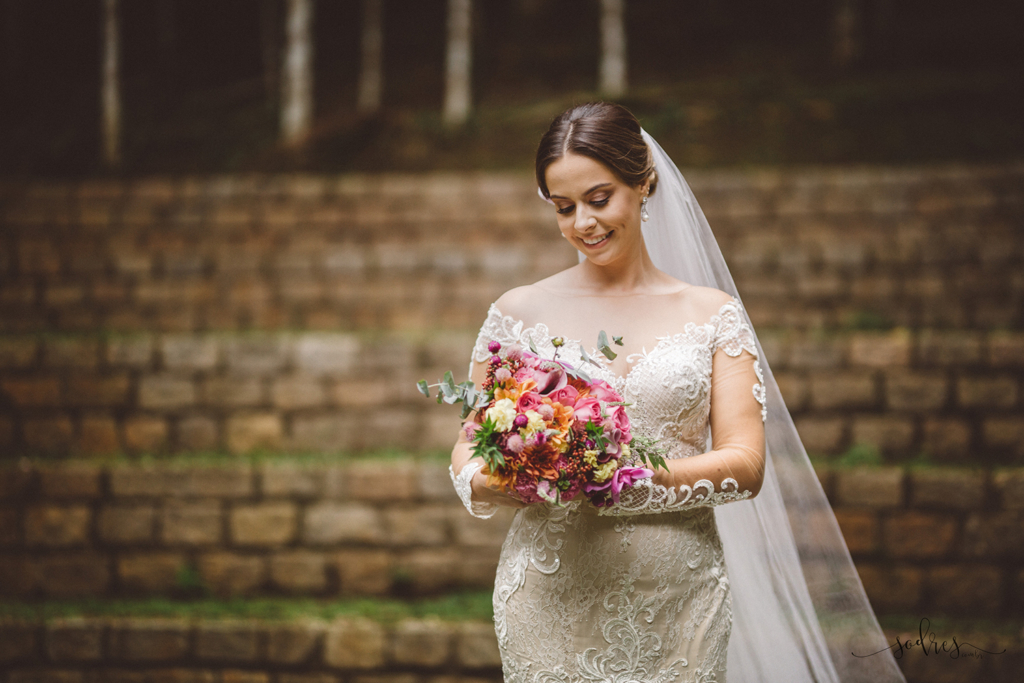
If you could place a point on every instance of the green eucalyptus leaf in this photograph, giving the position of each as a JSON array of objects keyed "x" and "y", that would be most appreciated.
[
  {"x": 423, "y": 387},
  {"x": 617, "y": 341},
  {"x": 603, "y": 347},
  {"x": 533, "y": 347}
]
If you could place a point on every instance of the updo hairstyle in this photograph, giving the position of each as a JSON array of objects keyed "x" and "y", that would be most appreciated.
[{"x": 604, "y": 131}]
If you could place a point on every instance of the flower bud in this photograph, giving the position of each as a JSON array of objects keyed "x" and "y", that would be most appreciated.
[
  {"x": 558, "y": 341},
  {"x": 494, "y": 347},
  {"x": 520, "y": 421},
  {"x": 495, "y": 360}
]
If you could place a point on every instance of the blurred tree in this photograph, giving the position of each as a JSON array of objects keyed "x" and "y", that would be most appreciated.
[
  {"x": 111, "y": 85},
  {"x": 297, "y": 73},
  {"x": 371, "y": 67},
  {"x": 458, "y": 63},
  {"x": 612, "y": 81}
]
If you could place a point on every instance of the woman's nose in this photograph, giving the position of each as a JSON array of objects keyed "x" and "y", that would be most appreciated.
[{"x": 584, "y": 221}]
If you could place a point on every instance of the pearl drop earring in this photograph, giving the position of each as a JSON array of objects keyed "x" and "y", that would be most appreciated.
[{"x": 643, "y": 209}]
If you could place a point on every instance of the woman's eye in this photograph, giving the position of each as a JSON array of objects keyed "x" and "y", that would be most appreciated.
[
  {"x": 565, "y": 210},
  {"x": 600, "y": 202}
]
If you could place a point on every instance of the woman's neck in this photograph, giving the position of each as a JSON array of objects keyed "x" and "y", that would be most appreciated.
[{"x": 636, "y": 275}]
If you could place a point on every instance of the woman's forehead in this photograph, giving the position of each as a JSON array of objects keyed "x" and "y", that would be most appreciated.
[{"x": 576, "y": 174}]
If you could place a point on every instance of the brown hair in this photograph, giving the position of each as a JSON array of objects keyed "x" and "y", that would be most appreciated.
[{"x": 604, "y": 131}]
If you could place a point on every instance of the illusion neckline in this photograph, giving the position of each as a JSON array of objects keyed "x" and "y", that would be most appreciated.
[{"x": 643, "y": 354}]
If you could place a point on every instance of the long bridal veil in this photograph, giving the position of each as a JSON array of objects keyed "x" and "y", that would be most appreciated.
[{"x": 799, "y": 610}]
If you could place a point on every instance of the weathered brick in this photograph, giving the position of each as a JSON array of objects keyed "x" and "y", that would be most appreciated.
[
  {"x": 298, "y": 391},
  {"x": 98, "y": 391},
  {"x": 945, "y": 489},
  {"x": 918, "y": 535},
  {"x": 1009, "y": 484},
  {"x": 477, "y": 645},
  {"x": 264, "y": 524},
  {"x": 331, "y": 523},
  {"x": 427, "y": 570},
  {"x": 291, "y": 480},
  {"x": 57, "y": 527},
  {"x": 308, "y": 678},
  {"x": 1006, "y": 349},
  {"x": 326, "y": 354},
  {"x": 366, "y": 572},
  {"x": 32, "y": 392},
  {"x": 228, "y": 574},
  {"x": 895, "y": 588},
  {"x": 383, "y": 481},
  {"x": 860, "y": 530},
  {"x": 355, "y": 644},
  {"x": 197, "y": 433},
  {"x": 18, "y": 640},
  {"x": 1004, "y": 433},
  {"x": 233, "y": 391},
  {"x": 949, "y": 347},
  {"x": 46, "y": 676},
  {"x": 299, "y": 571},
  {"x": 261, "y": 355},
  {"x": 915, "y": 391},
  {"x": 70, "y": 480},
  {"x": 74, "y": 352},
  {"x": 249, "y": 432},
  {"x": 220, "y": 481},
  {"x": 17, "y": 352},
  {"x": 189, "y": 352},
  {"x": 986, "y": 392},
  {"x": 333, "y": 432},
  {"x": 476, "y": 569},
  {"x": 472, "y": 531},
  {"x": 48, "y": 435},
  {"x": 991, "y": 535},
  {"x": 126, "y": 524},
  {"x": 420, "y": 525},
  {"x": 842, "y": 390},
  {"x": 145, "y": 434},
  {"x": 870, "y": 487},
  {"x": 71, "y": 575},
  {"x": 422, "y": 642},
  {"x": 294, "y": 643},
  {"x": 150, "y": 572},
  {"x": 239, "y": 676},
  {"x": 145, "y": 480},
  {"x": 227, "y": 641},
  {"x": 361, "y": 393},
  {"x": 881, "y": 349},
  {"x": 820, "y": 435},
  {"x": 889, "y": 433},
  {"x": 97, "y": 435},
  {"x": 435, "y": 484},
  {"x": 150, "y": 640},
  {"x": 192, "y": 523},
  {"x": 974, "y": 590},
  {"x": 10, "y": 526},
  {"x": 75, "y": 640},
  {"x": 166, "y": 392},
  {"x": 947, "y": 439},
  {"x": 135, "y": 352}
]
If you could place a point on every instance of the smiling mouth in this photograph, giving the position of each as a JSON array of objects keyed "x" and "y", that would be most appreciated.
[{"x": 597, "y": 240}]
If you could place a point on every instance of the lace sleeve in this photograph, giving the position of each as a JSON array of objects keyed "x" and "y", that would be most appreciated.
[
  {"x": 647, "y": 498},
  {"x": 464, "y": 488},
  {"x": 496, "y": 327},
  {"x": 733, "y": 335}
]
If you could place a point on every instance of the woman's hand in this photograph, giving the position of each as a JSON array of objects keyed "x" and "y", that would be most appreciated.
[{"x": 483, "y": 493}]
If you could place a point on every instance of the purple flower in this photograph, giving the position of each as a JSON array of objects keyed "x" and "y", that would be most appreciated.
[
  {"x": 623, "y": 478},
  {"x": 520, "y": 421},
  {"x": 494, "y": 347}
]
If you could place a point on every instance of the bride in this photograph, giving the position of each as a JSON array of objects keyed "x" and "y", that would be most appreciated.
[{"x": 665, "y": 585}]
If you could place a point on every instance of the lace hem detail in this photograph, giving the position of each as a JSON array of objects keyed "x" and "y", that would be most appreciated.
[
  {"x": 464, "y": 487},
  {"x": 760, "y": 393},
  {"x": 647, "y": 498}
]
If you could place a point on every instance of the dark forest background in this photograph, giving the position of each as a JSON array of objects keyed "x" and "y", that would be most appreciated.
[{"x": 719, "y": 82}]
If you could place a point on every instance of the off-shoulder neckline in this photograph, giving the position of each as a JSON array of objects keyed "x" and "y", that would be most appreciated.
[{"x": 688, "y": 328}]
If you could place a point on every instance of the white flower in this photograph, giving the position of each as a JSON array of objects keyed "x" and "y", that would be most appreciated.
[
  {"x": 502, "y": 413},
  {"x": 536, "y": 422}
]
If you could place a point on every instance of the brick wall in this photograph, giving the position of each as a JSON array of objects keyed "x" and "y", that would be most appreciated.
[
  {"x": 949, "y": 541},
  {"x": 296, "y": 312}
]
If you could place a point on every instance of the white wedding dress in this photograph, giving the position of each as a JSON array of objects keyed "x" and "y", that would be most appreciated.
[{"x": 639, "y": 592}]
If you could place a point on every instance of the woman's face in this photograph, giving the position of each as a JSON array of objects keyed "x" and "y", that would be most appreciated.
[{"x": 597, "y": 212}]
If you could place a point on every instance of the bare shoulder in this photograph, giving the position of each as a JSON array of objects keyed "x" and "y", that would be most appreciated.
[
  {"x": 522, "y": 303},
  {"x": 709, "y": 299}
]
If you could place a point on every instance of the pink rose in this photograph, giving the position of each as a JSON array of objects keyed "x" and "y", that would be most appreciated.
[
  {"x": 566, "y": 395},
  {"x": 529, "y": 400},
  {"x": 550, "y": 377},
  {"x": 623, "y": 478},
  {"x": 588, "y": 410},
  {"x": 603, "y": 391},
  {"x": 620, "y": 420}
]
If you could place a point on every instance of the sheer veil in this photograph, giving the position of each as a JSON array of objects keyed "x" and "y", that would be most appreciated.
[{"x": 799, "y": 610}]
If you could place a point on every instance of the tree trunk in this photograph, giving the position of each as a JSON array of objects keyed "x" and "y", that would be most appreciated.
[
  {"x": 297, "y": 73},
  {"x": 848, "y": 24},
  {"x": 613, "y": 48},
  {"x": 458, "y": 63},
  {"x": 111, "y": 85},
  {"x": 371, "y": 72}
]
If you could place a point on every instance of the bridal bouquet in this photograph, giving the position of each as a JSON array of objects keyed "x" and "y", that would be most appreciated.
[{"x": 547, "y": 431}]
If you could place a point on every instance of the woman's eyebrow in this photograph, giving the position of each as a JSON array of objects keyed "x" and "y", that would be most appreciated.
[{"x": 595, "y": 187}]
